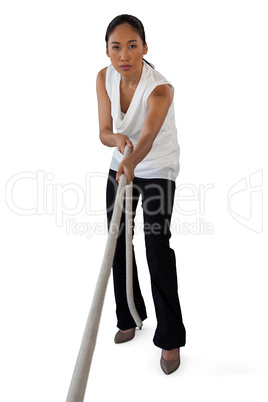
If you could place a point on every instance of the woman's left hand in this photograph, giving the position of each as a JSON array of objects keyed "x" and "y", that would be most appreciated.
[{"x": 126, "y": 167}]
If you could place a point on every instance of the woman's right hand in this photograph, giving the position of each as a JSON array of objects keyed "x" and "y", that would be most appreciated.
[{"x": 121, "y": 141}]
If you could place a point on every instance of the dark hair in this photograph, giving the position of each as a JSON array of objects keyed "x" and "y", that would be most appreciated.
[{"x": 127, "y": 19}]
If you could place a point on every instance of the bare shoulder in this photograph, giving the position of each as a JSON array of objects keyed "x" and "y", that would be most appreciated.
[
  {"x": 161, "y": 90},
  {"x": 164, "y": 91},
  {"x": 101, "y": 76}
]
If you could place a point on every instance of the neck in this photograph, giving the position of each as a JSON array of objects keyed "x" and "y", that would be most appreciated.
[{"x": 133, "y": 79}]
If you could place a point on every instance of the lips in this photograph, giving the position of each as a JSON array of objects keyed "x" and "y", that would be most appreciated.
[{"x": 126, "y": 66}]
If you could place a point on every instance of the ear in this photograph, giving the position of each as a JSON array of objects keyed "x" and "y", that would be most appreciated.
[
  {"x": 145, "y": 51},
  {"x": 107, "y": 52}
]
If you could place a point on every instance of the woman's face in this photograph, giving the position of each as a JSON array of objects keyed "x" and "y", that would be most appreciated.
[{"x": 126, "y": 50}]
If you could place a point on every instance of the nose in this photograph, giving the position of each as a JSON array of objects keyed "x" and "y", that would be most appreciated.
[{"x": 124, "y": 55}]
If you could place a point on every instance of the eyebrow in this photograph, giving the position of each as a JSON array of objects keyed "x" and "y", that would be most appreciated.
[{"x": 118, "y": 43}]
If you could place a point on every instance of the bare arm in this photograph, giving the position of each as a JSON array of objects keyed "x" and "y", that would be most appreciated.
[
  {"x": 158, "y": 105},
  {"x": 107, "y": 136}
]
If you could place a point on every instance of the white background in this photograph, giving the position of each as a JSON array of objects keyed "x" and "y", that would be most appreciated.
[{"x": 215, "y": 54}]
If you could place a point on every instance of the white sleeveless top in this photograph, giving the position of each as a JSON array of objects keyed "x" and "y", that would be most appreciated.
[{"x": 163, "y": 159}]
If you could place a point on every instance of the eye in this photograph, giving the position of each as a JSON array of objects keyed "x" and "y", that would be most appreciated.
[
  {"x": 115, "y": 47},
  {"x": 133, "y": 46}
]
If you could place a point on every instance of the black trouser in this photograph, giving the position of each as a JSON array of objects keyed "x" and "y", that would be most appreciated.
[{"x": 157, "y": 203}]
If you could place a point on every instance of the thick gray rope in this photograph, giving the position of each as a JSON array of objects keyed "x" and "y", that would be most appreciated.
[
  {"x": 81, "y": 371},
  {"x": 129, "y": 257}
]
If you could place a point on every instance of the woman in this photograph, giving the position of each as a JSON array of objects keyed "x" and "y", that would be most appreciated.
[{"x": 138, "y": 101}]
